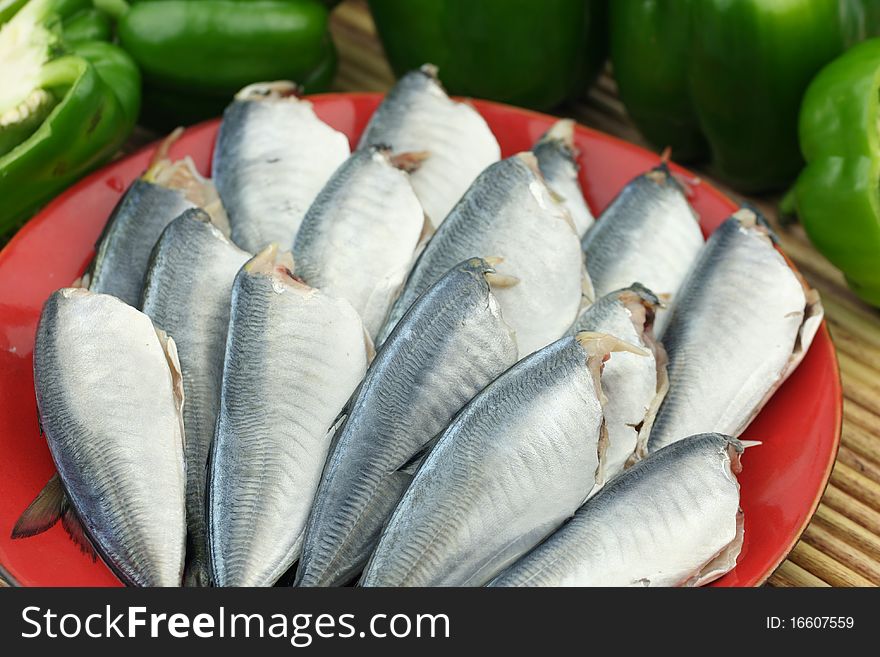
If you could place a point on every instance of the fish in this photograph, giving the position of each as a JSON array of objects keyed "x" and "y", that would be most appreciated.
[
  {"x": 634, "y": 385},
  {"x": 672, "y": 519},
  {"x": 187, "y": 294},
  {"x": 649, "y": 234},
  {"x": 418, "y": 116},
  {"x": 742, "y": 323},
  {"x": 272, "y": 157},
  {"x": 109, "y": 396},
  {"x": 509, "y": 213},
  {"x": 451, "y": 344},
  {"x": 557, "y": 159},
  {"x": 151, "y": 203},
  {"x": 360, "y": 235},
  {"x": 294, "y": 355},
  {"x": 517, "y": 461}
]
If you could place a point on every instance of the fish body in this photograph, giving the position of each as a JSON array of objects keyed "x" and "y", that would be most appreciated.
[
  {"x": 742, "y": 323},
  {"x": 273, "y": 155},
  {"x": 633, "y": 384},
  {"x": 672, "y": 519},
  {"x": 451, "y": 344},
  {"x": 510, "y": 214},
  {"x": 293, "y": 357},
  {"x": 109, "y": 397},
  {"x": 515, "y": 463},
  {"x": 151, "y": 203},
  {"x": 557, "y": 159},
  {"x": 418, "y": 116},
  {"x": 649, "y": 234},
  {"x": 187, "y": 294},
  {"x": 358, "y": 239}
]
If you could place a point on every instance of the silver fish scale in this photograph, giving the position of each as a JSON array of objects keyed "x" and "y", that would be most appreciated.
[
  {"x": 730, "y": 335},
  {"x": 450, "y": 345},
  {"x": 134, "y": 227},
  {"x": 293, "y": 357},
  {"x": 514, "y": 464},
  {"x": 417, "y": 115},
  {"x": 187, "y": 294},
  {"x": 358, "y": 238},
  {"x": 657, "y": 524},
  {"x": 508, "y": 213},
  {"x": 649, "y": 235},
  {"x": 107, "y": 407},
  {"x": 271, "y": 159}
]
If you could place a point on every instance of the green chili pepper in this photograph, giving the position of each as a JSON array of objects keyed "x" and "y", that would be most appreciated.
[
  {"x": 838, "y": 193},
  {"x": 196, "y": 54},
  {"x": 723, "y": 81},
  {"x": 516, "y": 51},
  {"x": 66, "y": 106}
]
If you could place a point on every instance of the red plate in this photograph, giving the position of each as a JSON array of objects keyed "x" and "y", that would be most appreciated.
[{"x": 782, "y": 480}]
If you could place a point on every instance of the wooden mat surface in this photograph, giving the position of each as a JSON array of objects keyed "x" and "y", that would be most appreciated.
[{"x": 841, "y": 546}]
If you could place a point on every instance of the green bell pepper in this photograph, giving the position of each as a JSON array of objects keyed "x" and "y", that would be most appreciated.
[
  {"x": 66, "y": 106},
  {"x": 838, "y": 193},
  {"x": 523, "y": 52},
  {"x": 196, "y": 54},
  {"x": 722, "y": 81}
]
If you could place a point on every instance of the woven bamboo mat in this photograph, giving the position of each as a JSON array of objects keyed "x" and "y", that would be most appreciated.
[{"x": 841, "y": 546}]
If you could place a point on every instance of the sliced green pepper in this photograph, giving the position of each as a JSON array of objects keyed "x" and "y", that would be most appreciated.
[
  {"x": 65, "y": 107},
  {"x": 838, "y": 193},
  {"x": 723, "y": 80},
  {"x": 196, "y": 54},
  {"x": 524, "y": 52}
]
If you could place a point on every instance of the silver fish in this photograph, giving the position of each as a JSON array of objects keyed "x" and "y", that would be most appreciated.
[
  {"x": 557, "y": 158},
  {"x": 742, "y": 323},
  {"x": 517, "y": 461},
  {"x": 109, "y": 395},
  {"x": 509, "y": 213},
  {"x": 649, "y": 234},
  {"x": 670, "y": 520},
  {"x": 151, "y": 203},
  {"x": 450, "y": 345},
  {"x": 359, "y": 237},
  {"x": 634, "y": 385},
  {"x": 187, "y": 294},
  {"x": 417, "y": 115},
  {"x": 293, "y": 357},
  {"x": 273, "y": 156}
]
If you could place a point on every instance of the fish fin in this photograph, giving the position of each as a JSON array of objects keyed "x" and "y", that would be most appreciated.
[
  {"x": 497, "y": 280},
  {"x": 370, "y": 347},
  {"x": 603, "y": 344},
  {"x": 161, "y": 154},
  {"x": 170, "y": 349},
  {"x": 410, "y": 161},
  {"x": 47, "y": 508},
  {"x": 74, "y": 528},
  {"x": 335, "y": 430},
  {"x": 724, "y": 561},
  {"x": 411, "y": 466},
  {"x": 82, "y": 281}
]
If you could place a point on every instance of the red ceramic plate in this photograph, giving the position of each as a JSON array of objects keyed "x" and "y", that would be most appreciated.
[{"x": 782, "y": 480}]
